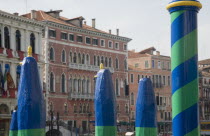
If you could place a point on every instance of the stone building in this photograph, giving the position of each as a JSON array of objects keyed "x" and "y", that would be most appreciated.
[
  {"x": 156, "y": 67},
  {"x": 204, "y": 89},
  {"x": 73, "y": 52},
  {"x": 16, "y": 34}
]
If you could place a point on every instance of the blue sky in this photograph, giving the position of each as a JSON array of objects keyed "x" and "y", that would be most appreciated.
[{"x": 146, "y": 22}]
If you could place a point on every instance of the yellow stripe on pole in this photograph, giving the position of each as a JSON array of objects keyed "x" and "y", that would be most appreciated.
[{"x": 184, "y": 3}]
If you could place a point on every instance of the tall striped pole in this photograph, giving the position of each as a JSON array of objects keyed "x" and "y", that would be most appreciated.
[{"x": 184, "y": 59}]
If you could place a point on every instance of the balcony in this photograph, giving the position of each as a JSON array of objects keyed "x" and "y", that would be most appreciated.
[
  {"x": 87, "y": 67},
  {"x": 5, "y": 116},
  {"x": 87, "y": 96},
  {"x": 161, "y": 107}
]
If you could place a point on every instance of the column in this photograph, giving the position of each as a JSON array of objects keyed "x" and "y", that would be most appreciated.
[
  {"x": 12, "y": 41},
  {"x": 184, "y": 59}
]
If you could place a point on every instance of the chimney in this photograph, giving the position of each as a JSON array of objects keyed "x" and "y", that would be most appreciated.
[
  {"x": 117, "y": 31},
  {"x": 158, "y": 53},
  {"x": 110, "y": 31},
  {"x": 94, "y": 23},
  {"x": 33, "y": 14},
  {"x": 16, "y": 14},
  {"x": 85, "y": 22}
]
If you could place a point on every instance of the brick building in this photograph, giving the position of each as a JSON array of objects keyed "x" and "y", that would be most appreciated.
[
  {"x": 73, "y": 52},
  {"x": 204, "y": 89},
  {"x": 156, "y": 67},
  {"x": 16, "y": 34}
]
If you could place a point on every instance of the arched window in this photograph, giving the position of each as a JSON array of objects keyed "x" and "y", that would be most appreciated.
[
  {"x": 116, "y": 63},
  {"x": 102, "y": 59},
  {"x": 79, "y": 58},
  {"x": 32, "y": 42},
  {"x": 79, "y": 86},
  {"x": 70, "y": 57},
  {"x": 94, "y": 60},
  {"x": 98, "y": 61},
  {"x": 87, "y": 59},
  {"x": 51, "y": 82},
  {"x": 63, "y": 56},
  {"x": 75, "y": 85},
  {"x": 75, "y": 108},
  {"x": 75, "y": 58},
  {"x": 6, "y": 38},
  {"x": 84, "y": 108},
  {"x": 126, "y": 108},
  {"x": 80, "y": 108},
  {"x": 18, "y": 40},
  {"x": 51, "y": 54},
  {"x": 125, "y": 64},
  {"x": 106, "y": 62},
  {"x": 117, "y": 87},
  {"x": 63, "y": 83},
  {"x": 110, "y": 62},
  {"x": 88, "y": 82},
  {"x": 70, "y": 85},
  {"x": 18, "y": 69},
  {"x": 83, "y": 87},
  {"x": 132, "y": 99},
  {"x": 88, "y": 108},
  {"x": 83, "y": 58}
]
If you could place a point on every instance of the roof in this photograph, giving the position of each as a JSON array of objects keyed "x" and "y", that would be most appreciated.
[
  {"x": 43, "y": 16},
  {"x": 147, "y": 50},
  {"x": 204, "y": 62}
]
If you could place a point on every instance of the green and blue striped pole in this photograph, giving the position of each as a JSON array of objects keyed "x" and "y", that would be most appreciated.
[
  {"x": 184, "y": 59},
  {"x": 146, "y": 121},
  {"x": 29, "y": 119},
  {"x": 105, "y": 104}
]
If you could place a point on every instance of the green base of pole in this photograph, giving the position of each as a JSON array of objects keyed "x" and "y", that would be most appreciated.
[
  {"x": 106, "y": 131},
  {"x": 143, "y": 131}
]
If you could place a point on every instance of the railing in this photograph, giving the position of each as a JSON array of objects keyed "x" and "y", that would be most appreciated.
[
  {"x": 81, "y": 96},
  {"x": 6, "y": 116},
  {"x": 87, "y": 67},
  {"x": 161, "y": 108}
]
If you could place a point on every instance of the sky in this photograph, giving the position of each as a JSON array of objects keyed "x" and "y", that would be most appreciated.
[{"x": 146, "y": 22}]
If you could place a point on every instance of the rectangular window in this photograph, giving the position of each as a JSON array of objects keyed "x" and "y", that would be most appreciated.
[
  {"x": 131, "y": 78},
  {"x": 116, "y": 45},
  {"x": 169, "y": 115},
  {"x": 52, "y": 33},
  {"x": 88, "y": 41},
  {"x": 163, "y": 65},
  {"x": 63, "y": 36},
  {"x": 159, "y": 65},
  {"x": 164, "y": 80},
  {"x": 161, "y": 101},
  {"x": 95, "y": 41},
  {"x": 169, "y": 66},
  {"x": 161, "y": 115},
  {"x": 157, "y": 100},
  {"x": 110, "y": 44},
  {"x": 153, "y": 63},
  {"x": 139, "y": 78},
  {"x": 79, "y": 39},
  {"x": 146, "y": 64},
  {"x": 103, "y": 43},
  {"x": 71, "y": 37},
  {"x": 125, "y": 47},
  {"x": 166, "y": 116},
  {"x": 136, "y": 65},
  {"x": 169, "y": 80}
]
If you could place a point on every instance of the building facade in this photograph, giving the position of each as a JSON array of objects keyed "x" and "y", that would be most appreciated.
[
  {"x": 204, "y": 89},
  {"x": 16, "y": 34},
  {"x": 73, "y": 52},
  {"x": 146, "y": 64}
]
